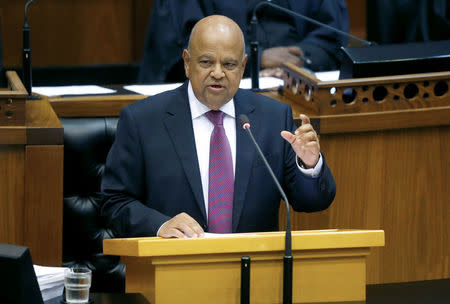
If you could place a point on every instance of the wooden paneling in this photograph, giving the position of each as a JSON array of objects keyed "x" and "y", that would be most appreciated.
[
  {"x": 13, "y": 135},
  {"x": 70, "y": 32},
  {"x": 396, "y": 181},
  {"x": 357, "y": 14},
  {"x": 12, "y": 193},
  {"x": 142, "y": 14},
  {"x": 43, "y": 210},
  {"x": 386, "y": 120}
]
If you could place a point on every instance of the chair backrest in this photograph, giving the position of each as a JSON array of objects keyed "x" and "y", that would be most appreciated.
[{"x": 86, "y": 145}]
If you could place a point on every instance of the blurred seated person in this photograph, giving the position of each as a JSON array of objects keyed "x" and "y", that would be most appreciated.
[
  {"x": 402, "y": 21},
  {"x": 281, "y": 38}
]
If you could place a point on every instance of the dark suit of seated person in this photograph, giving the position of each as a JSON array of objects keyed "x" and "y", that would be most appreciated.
[
  {"x": 172, "y": 172},
  {"x": 403, "y": 21},
  {"x": 281, "y": 37}
]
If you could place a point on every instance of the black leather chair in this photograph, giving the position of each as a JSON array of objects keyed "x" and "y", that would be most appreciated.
[{"x": 86, "y": 145}]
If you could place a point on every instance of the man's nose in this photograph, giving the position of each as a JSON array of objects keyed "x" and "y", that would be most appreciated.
[{"x": 217, "y": 71}]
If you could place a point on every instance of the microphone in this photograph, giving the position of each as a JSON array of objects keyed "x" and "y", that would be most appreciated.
[
  {"x": 288, "y": 259},
  {"x": 254, "y": 69},
  {"x": 254, "y": 56},
  {"x": 26, "y": 55}
]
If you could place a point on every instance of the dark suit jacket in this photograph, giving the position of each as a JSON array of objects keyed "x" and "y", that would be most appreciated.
[
  {"x": 172, "y": 21},
  {"x": 152, "y": 171}
]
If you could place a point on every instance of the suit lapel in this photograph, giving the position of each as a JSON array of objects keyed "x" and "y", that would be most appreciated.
[
  {"x": 178, "y": 122},
  {"x": 245, "y": 153}
]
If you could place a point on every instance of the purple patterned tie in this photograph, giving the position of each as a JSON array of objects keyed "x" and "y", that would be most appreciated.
[{"x": 221, "y": 177}]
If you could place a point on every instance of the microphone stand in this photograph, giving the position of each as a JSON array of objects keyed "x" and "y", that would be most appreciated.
[
  {"x": 254, "y": 70},
  {"x": 254, "y": 54},
  {"x": 26, "y": 56},
  {"x": 287, "y": 259}
]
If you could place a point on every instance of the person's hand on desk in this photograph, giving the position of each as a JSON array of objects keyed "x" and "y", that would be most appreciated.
[
  {"x": 272, "y": 72},
  {"x": 273, "y": 58},
  {"x": 305, "y": 142},
  {"x": 181, "y": 226}
]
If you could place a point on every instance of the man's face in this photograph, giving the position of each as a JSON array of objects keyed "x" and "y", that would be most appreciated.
[{"x": 215, "y": 65}]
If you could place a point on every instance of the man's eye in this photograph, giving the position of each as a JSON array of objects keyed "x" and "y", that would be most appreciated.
[
  {"x": 230, "y": 65},
  {"x": 205, "y": 62}
]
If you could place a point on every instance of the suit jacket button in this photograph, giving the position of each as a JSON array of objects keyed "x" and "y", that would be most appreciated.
[{"x": 322, "y": 186}]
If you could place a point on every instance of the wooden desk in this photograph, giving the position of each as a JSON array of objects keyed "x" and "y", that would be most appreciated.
[
  {"x": 392, "y": 171},
  {"x": 31, "y": 181}
]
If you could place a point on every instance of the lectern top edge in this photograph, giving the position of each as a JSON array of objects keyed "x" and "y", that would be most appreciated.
[{"x": 242, "y": 243}]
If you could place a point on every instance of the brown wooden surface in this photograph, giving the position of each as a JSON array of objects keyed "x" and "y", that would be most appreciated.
[
  {"x": 12, "y": 135},
  {"x": 12, "y": 101},
  {"x": 43, "y": 210},
  {"x": 329, "y": 266},
  {"x": 14, "y": 82},
  {"x": 12, "y": 193},
  {"x": 43, "y": 125},
  {"x": 31, "y": 161},
  {"x": 91, "y": 106},
  {"x": 357, "y": 14},
  {"x": 76, "y": 32},
  {"x": 386, "y": 120},
  {"x": 366, "y": 95}
]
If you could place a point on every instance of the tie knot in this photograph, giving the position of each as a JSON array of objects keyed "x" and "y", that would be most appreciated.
[{"x": 216, "y": 117}]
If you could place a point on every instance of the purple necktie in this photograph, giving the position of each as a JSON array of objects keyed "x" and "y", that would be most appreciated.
[{"x": 221, "y": 177}]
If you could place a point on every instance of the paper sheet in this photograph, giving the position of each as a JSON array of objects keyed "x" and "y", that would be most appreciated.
[
  {"x": 327, "y": 75},
  {"x": 72, "y": 90},
  {"x": 50, "y": 280}
]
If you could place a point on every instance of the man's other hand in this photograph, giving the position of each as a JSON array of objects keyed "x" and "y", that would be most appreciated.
[{"x": 305, "y": 142}]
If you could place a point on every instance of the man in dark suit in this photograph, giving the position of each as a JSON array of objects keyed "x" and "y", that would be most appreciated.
[{"x": 162, "y": 177}]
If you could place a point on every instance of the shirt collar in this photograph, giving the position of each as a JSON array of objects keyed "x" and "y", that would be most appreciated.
[{"x": 198, "y": 108}]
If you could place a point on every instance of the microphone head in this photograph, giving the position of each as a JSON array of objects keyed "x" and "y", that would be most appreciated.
[{"x": 244, "y": 121}]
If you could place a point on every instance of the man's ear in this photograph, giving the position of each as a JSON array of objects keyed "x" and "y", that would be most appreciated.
[
  {"x": 186, "y": 62},
  {"x": 244, "y": 62}
]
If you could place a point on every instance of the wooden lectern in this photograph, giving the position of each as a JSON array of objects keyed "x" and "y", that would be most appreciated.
[{"x": 329, "y": 266}]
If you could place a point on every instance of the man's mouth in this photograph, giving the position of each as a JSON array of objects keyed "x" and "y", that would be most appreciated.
[{"x": 216, "y": 87}]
